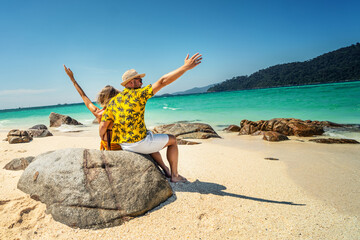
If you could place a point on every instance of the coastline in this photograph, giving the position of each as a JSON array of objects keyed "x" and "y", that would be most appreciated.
[
  {"x": 233, "y": 192},
  {"x": 166, "y": 95}
]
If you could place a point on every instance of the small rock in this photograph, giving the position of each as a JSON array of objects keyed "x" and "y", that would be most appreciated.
[
  {"x": 334, "y": 140},
  {"x": 274, "y": 136},
  {"x": 18, "y": 136},
  {"x": 184, "y": 142},
  {"x": 272, "y": 159},
  {"x": 37, "y": 133},
  {"x": 39, "y": 127},
  {"x": 56, "y": 120},
  {"x": 232, "y": 128},
  {"x": 19, "y": 163}
]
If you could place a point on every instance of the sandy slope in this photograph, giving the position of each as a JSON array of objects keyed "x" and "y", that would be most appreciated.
[{"x": 233, "y": 193}]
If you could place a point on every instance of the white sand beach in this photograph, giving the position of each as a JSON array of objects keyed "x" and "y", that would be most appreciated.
[{"x": 311, "y": 192}]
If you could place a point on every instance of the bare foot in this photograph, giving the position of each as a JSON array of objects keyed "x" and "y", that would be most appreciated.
[
  {"x": 179, "y": 178},
  {"x": 167, "y": 172}
]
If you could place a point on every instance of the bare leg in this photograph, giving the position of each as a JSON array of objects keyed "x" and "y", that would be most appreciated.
[
  {"x": 157, "y": 157},
  {"x": 172, "y": 155}
]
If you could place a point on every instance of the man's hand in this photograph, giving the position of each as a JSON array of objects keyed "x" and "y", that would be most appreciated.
[
  {"x": 189, "y": 63},
  {"x": 69, "y": 72},
  {"x": 193, "y": 61}
]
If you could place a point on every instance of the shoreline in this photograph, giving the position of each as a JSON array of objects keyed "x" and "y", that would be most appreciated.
[
  {"x": 181, "y": 95},
  {"x": 232, "y": 192}
]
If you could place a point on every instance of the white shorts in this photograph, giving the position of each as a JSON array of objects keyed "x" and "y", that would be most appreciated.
[{"x": 150, "y": 144}]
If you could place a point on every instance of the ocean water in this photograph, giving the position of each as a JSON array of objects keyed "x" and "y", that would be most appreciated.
[{"x": 336, "y": 102}]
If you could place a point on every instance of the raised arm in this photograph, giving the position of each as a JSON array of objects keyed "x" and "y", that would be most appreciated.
[
  {"x": 94, "y": 109},
  {"x": 189, "y": 63}
]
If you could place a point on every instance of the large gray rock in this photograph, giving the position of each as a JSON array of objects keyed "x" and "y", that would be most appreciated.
[
  {"x": 187, "y": 130},
  {"x": 19, "y": 163},
  {"x": 56, "y": 120},
  {"x": 39, "y": 130},
  {"x": 95, "y": 189},
  {"x": 18, "y": 136},
  {"x": 35, "y": 133}
]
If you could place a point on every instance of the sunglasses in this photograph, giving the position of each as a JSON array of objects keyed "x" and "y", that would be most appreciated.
[{"x": 140, "y": 79}]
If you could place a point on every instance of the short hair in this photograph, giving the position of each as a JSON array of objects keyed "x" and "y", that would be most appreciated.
[{"x": 106, "y": 94}]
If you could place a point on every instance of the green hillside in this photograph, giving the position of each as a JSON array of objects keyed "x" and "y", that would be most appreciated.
[{"x": 336, "y": 66}]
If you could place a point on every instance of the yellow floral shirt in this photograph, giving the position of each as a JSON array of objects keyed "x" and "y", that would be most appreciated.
[{"x": 126, "y": 110}]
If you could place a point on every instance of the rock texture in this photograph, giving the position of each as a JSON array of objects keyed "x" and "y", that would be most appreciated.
[
  {"x": 39, "y": 127},
  {"x": 184, "y": 142},
  {"x": 18, "y": 136},
  {"x": 95, "y": 189},
  {"x": 232, "y": 128},
  {"x": 56, "y": 120},
  {"x": 19, "y": 163},
  {"x": 286, "y": 126},
  {"x": 39, "y": 130},
  {"x": 334, "y": 140},
  {"x": 274, "y": 136},
  {"x": 188, "y": 130}
]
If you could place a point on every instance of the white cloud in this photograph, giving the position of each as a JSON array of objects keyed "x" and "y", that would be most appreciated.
[{"x": 25, "y": 91}]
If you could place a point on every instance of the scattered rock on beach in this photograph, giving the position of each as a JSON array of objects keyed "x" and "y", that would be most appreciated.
[
  {"x": 39, "y": 130},
  {"x": 274, "y": 136},
  {"x": 286, "y": 126},
  {"x": 89, "y": 188},
  {"x": 39, "y": 127},
  {"x": 184, "y": 142},
  {"x": 56, "y": 120},
  {"x": 19, "y": 163},
  {"x": 334, "y": 140},
  {"x": 188, "y": 130},
  {"x": 232, "y": 128},
  {"x": 18, "y": 136},
  {"x": 271, "y": 159}
]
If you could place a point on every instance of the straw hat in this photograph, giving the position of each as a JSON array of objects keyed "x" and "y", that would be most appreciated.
[{"x": 130, "y": 75}]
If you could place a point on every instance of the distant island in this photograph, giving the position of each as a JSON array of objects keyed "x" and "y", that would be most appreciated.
[
  {"x": 194, "y": 90},
  {"x": 336, "y": 66}
]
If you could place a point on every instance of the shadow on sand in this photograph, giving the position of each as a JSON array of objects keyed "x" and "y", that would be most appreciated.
[{"x": 217, "y": 189}]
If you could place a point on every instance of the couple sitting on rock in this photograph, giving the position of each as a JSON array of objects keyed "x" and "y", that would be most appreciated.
[{"x": 122, "y": 123}]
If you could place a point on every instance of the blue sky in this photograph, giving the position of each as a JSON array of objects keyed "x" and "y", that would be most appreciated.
[{"x": 100, "y": 40}]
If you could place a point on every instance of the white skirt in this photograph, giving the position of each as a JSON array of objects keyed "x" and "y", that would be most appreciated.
[{"x": 150, "y": 144}]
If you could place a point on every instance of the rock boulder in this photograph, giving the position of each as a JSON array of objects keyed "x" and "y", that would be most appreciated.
[
  {"x": 56, "y": 120},
  {"x": 334, "y": 140},
  {"x": 274, "y": 136},
  {"x": 95, "y": 189},
  {"x": 39, "y": 130},
  {"x": 285, "y": 126},
  {"x": 188, "y": 130},
  {"x": 232, "y": 128},
  {"x": 18, "y": 136},
  {"x": 19, "y": 163}
]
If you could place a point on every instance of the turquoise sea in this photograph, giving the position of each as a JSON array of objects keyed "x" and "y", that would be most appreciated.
[{"x": 337, "y": 102}]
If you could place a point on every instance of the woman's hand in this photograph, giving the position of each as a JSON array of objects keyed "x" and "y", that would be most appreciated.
[{"x": 69, "y": 72}]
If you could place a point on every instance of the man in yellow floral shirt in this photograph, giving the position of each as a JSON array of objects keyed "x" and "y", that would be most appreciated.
[{"x": 126, "y": 112}]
